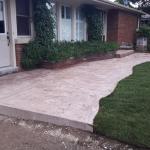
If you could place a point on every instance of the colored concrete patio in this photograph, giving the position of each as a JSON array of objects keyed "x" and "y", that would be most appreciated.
[{"x": 67, "y": 97}]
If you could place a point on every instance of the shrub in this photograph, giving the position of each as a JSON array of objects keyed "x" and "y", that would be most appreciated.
[
  {"x": 148, "y": 47},
  {"x": 33, "y": 55},
  {"x": 144, "y": 31},
  {"x": 36, "y": 51},
  {"x": 66, "y": 50},
  {"x": 44, "y": 22}
]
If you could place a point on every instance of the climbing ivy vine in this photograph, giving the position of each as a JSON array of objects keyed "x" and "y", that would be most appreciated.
[
  {"x": 43, "y": 22},
  {"x": 36, "y": 51},
  {"x": 94, "y": 22}
]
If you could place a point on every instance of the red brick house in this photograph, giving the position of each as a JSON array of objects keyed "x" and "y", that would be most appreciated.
[{"x": 16, "y": 25}]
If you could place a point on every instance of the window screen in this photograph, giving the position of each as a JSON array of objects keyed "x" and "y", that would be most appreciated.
[{"x": 23, "y": 17}]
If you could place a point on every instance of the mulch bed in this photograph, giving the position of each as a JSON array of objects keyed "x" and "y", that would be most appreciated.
[{"x": 71, "y": 62}]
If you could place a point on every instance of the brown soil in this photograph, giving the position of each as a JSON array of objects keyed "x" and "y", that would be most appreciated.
[{"x": 18, "y": 134}]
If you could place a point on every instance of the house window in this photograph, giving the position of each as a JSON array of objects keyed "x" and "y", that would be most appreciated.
[
  {"x": 66, "y": 12},
  {"x": 80, "y": 25},
  {"x": 23, "y": 17},
  {"x": 2, "y": 22},
  {"x": 66, "y": 23}
]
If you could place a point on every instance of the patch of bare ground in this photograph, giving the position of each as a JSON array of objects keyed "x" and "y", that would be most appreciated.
[{"x": 16, "y": 134}]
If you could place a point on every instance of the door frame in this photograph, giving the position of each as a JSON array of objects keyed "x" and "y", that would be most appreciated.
[
  {"x": 5, "y": 35},
  {"x": 10, "y": 28}
]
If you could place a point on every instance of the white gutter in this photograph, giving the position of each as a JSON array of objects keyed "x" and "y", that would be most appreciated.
[{"x": 120, "y": 6}]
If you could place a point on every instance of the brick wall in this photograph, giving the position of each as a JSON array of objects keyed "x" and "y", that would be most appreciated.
[
  {"x": 19, "y": 51},
  {"x": 112, "y": 26},
  {"x": 122, "y": 26}
]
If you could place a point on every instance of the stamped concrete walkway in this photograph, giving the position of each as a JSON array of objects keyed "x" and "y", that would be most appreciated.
[{"x": 65, "y": 97}]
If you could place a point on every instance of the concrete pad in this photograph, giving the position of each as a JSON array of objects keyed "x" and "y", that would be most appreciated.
[
  {"x": 124, "y": 53},
  {"x": 7, "y": 70},
  {"x": 68, "y": 97}
]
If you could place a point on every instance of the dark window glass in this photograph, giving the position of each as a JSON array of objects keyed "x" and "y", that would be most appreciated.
[
  {"x": 2, "y": 23},
  {"x": 23, "y": 26},
  {"x": 23, "y": 7},
  {"x": 2, "y": 27},
  {"x": 23, "y": 17},
  {"x": 79, "y": 14},
  {"x": 62, "y": 12},
  {"x": 65, "y": 12},
  {"x": 68, "y": 12}
]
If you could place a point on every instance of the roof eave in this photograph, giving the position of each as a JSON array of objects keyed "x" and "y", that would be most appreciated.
[{"x": 120, "y": 6}]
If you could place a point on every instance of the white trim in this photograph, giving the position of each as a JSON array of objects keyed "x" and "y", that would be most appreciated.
[
  {"x": 79, "y": 21},
  {"x": 58, "y": 20},
  {"x": 85, "y": 33},
  {"x": 12, "y": 30},
  {"x": 73, "y": 30},
  {"x": 23, "y": 40},
  {"x": 138, "y": 23},
  {"x": 105, "y": 25},
  {"x": 24, "y": 36}
]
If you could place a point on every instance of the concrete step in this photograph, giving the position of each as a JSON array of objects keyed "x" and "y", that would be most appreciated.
[
  {"x": 7, "y": 70},
  {"x": 124, "y": 53}
]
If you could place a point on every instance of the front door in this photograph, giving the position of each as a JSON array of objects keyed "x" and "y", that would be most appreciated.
[{"x": 4, "y": 41}]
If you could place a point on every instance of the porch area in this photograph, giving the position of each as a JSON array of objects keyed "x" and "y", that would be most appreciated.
[
  {"x": 68, "y": 97},
  {"x": 17, "y": 25}
]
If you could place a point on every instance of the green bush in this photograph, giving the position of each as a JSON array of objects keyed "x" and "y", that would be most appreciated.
[
  {"x": 144, "y": 31},
  {"x": 43, "y": 22},
  {"x": 33, "y": 55},
  {"x": 65, "y": 50},
  {"x": 148, "y": 47}
]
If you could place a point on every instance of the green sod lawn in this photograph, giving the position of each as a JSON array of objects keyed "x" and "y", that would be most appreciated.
[{"x": 125, "y": 114}]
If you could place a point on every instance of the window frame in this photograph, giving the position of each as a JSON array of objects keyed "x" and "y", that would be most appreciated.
[
  {"x": 4, "y": 13},
  {"x": 30, "y": 22}
]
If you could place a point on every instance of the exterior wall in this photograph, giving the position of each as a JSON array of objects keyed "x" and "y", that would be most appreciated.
[
  {"x": 128, "y": 24},
  {"x": 122, "y": 26},
  {"x": 112, "y": 26},
  {"x": 19, "y": 51}
]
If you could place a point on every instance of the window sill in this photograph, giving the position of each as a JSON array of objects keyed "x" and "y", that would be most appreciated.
[{"x": 23, "y": 39}]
